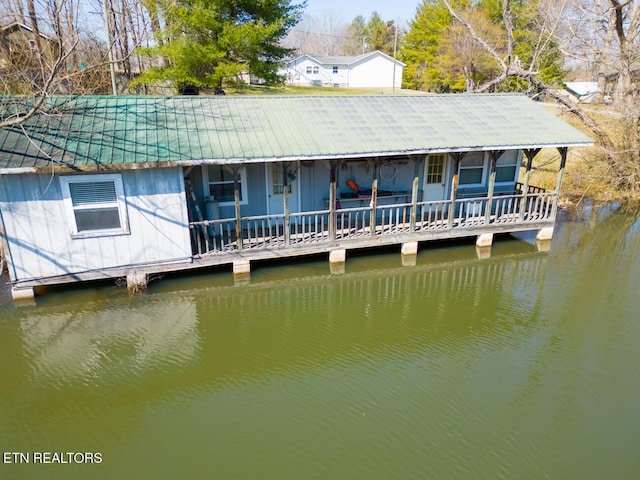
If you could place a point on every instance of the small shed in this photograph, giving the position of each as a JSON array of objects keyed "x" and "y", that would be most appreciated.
[{"x": 585, "y": 92}]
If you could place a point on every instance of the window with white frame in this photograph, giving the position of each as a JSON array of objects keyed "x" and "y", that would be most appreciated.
[
  {"x": 95, "y": 204},
  {"x": 219, "y": 184},
  {"x": 506, "y": 167},
  {"x": 435, "y": 169},
  {"x": 471, "y": 169},
  {"x": 316, "y": 70},
  {"x": 309, "y": 70},
  {"x": 335, "y": 70}
]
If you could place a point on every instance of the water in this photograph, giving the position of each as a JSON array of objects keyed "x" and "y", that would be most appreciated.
[{"x": 525, "y": 365}]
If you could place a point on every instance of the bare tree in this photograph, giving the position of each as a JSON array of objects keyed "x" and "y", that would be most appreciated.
[
  {"x": 511, "y": 66},
  {"x": 612, "y": 46},
  {"x": 323, "y": 35},
  {"x": 130, "y": 25},
  {"x": 35, "y": 52},
  {"x": 606, "y": 35},
  {"x": 464, "y": 55},
  {"x": 45, "y": 50}
]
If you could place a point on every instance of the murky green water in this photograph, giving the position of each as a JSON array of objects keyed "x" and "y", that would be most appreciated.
[{"x": 522, "y": 366}]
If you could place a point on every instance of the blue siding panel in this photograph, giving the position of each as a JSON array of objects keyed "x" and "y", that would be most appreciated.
[{"x": 39, "y": 237}]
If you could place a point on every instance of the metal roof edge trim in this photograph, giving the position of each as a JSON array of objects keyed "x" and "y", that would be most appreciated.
[{"x": 244, "y": 161}]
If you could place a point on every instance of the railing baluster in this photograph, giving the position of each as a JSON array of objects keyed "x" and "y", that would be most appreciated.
[{"x": 268, "y": 231}]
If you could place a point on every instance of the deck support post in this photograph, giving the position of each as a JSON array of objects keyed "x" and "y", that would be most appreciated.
[
  {"x": 338, "y": 256},
  {"x": 484, "y": 240},
  {"x": 414, "y": 194},
  {"x": 483, "y": 245},
  {"x": 236, "y": 198},
  {"x": 23, "y": 293},
  {"x": 332, "y": 200},
  {"x": 493, "y": 158},
  {"x": 545, "y": 234},
  {"x": 530, "y": 153},
  {"x": 457, "y": 158},
  {"x": 563, "y": 160},
  {"x": 136, "y": 282},
  {"x": 285, "y": 200},
  {"x": 241, "y": 267},
  {"x": 374, "y": 198},
  {"x": 543, "y": 239},
  {"x": 409, "y": 248}
]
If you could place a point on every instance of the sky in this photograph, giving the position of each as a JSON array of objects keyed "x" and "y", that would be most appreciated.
[{"x": 401, "y": 11}]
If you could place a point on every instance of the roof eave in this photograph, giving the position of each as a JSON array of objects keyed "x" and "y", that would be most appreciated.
[{"x": 287, "y": 158}]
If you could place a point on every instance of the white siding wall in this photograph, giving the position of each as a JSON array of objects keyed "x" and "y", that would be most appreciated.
[
  {"x": 297, "y": 73},
  {"x": 38, "y": 231},
  {"x": 375, "y": 72}
]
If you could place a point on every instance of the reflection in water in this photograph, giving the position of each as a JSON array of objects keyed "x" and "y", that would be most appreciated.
[
  {"x": 523, "y": 365},
  {"x": 67, "y": 345}
]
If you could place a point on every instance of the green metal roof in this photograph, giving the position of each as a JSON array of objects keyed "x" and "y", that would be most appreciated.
[{"x": 95, "y": 131}]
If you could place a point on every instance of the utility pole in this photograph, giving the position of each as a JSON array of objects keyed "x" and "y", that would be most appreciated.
[
  {"x": 395, "y": 48},
  {"x": 363, "y": 43}
]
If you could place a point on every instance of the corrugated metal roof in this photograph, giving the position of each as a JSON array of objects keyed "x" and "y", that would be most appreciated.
[{"x": 123, "y": 131}]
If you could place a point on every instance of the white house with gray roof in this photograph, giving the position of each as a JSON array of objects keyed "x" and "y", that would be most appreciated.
[
  {"x": 369, "y": 70},
  {"x": 106, "y": 187}
]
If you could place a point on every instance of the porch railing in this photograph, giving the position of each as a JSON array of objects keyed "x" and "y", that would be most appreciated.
[{"x": 212, "y": 237}]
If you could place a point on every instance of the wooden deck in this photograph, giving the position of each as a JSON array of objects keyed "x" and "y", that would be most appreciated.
[
  {"x": 303, "y": 233},
  {"x": 216, "y": 242}
]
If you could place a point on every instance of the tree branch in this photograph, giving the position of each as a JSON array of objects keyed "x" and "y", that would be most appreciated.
[
  {"x": 475, "y": 36},
  {"x": 41, "y": 97}
]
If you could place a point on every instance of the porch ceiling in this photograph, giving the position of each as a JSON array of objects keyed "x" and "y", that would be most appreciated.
[{"x": 93, "y": 132}]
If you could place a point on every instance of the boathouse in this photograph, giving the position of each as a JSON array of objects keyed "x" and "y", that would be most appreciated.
[{"x": 111, "y": 187}]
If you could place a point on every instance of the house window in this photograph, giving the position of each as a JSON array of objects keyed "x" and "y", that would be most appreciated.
[
  {"x": 506, "y": 167},
  {"x": 95, "y": 205},
  {"x": 316, "y": 70},
  {"x": 309, "y": 70},
  {"x": 435, "y": 169},
  {"x": 335, "y": 70},
  {"x": 471, "y": 170},
  {"x": 219, "y": 184},
  {"x": 277, "y": 183}
]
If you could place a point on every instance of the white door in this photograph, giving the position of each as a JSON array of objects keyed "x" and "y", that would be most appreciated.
[
  {"x": 434, "y": 177},
  {"x": 275, "y": 188}
]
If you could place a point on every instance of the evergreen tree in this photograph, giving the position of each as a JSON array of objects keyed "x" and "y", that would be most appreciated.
[
  {"x": 356, "y": 42},
  {"x": 422, "y": 45},
  {"x": 368, "y": 36},
  {"x": 208, "y": 41}
]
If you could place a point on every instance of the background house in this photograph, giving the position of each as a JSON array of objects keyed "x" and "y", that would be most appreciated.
[
  {"x": 18, "y": 51},
  {"x": 369, "y": 70}
]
